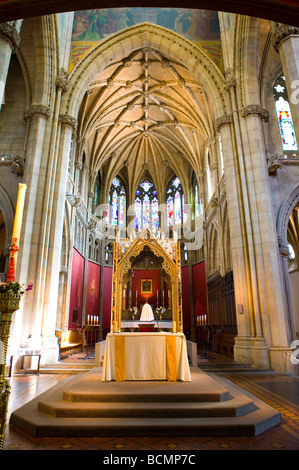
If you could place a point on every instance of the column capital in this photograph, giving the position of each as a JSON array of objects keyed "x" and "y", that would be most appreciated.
[
  {"x": 281, "y": 32},
  {"x": 230, "y": 80},
  {"x": 283, "y": 247},
  {"x": 255, "y": 109},
  {"x": 68, "y": 120},
  {"x": 78, "y": 165},
  {"x": 37, "y": 109},
  {"x": 61, "y": 80},
  {"x": 9, "y": 32},
  {"x": 224, "y": 120}
]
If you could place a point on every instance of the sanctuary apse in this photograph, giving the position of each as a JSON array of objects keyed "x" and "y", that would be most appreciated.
[{"x": 181, "y": 121}]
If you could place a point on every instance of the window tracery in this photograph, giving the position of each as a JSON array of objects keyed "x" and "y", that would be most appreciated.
[
  {"x": 146, "y": 206},
  {"x": 284, "y": 115},
  {"x": 175, "y": 200},
  {"x": 117, "y": 201}
]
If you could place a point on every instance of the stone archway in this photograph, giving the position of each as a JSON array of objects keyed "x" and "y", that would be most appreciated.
[{"x": 287, "y": 206}]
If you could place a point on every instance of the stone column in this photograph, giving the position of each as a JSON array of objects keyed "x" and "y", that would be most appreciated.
[
  {"x": 66, "y": 126},
  {"x": 285, "y": 40},
  {"x": 9, "y": 42},
  {"x": 248, "y": 320},
  {"x": 34, "y": 177},
  {"x": 270, "y": 295}
]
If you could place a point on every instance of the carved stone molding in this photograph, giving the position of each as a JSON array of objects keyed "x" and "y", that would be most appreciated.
[
  {"x": 281, "y": 32},
  {"x": 9, "y": 32},
  {"x": 274, "y": 163},
  {"x": 78, "y": 165},
  {"x": 61, "y": 80},
  {"x": 17, "y": 163},
  {"x": 213, "y": 166},
  {"x": 67, "y": 120},
  {"x": 93, "y": 174},
  {"x": 255, "y": 109},
  {"x": 37, "y": 110},
  {"x": 224, "y": 120},
  {"x": 283, "y": 248},
  {"x": 230, "y": 81}
]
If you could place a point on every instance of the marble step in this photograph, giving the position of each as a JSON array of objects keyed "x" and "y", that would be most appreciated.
[
  {"x": 66, "y": 368},
  {"x": 83, "y": 405},
  {"x": 62, "y": 409}
]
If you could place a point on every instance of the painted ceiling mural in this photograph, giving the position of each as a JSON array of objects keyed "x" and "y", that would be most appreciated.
[{"x": 92, "y": 26}]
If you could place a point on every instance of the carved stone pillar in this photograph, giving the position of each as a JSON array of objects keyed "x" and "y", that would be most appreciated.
[
  {"x": 270, "y": 291},
  {"x": 249, "y": 344},
  {"x": 9, "y": 43},
  {"x": 67, "y": 125},
  {"x": 37, "y": 118}
]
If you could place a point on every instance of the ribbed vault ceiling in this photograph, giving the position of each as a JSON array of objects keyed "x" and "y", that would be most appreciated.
[{"x": 145, "y": 116}]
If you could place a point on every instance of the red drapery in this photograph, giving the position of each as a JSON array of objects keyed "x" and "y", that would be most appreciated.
[
  {"x": 76, "y": 294},
  {"x": 199, "y": 290},
  {"x": 92, "y": 290},
  {"x": 107, "y": 293}
]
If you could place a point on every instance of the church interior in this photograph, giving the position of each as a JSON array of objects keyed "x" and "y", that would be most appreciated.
[{"x": 149, "y": 226}]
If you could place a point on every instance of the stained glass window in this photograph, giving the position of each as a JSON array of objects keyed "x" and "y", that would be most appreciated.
[
  {"x": 122, "y": 207},
  {"x": 146, "y": 206},
  {"x": 95, "y": 200},
  {"x": 284, "y": 116},
  {"x": 116, "y": 215},
  {"x": 176, "y": 212},
  {"x": 196, "y": 200},
  {"x": 198, "y": 208}
]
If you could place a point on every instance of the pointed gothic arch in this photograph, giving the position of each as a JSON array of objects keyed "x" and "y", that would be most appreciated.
[
  {"x": 146, "y": 35},
  {"x": 124, "y": 254}
]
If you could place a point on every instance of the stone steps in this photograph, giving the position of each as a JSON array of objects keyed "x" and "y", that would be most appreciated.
[
  {"x": 66, "y": 368},
  {"x": 237, "y": 407},
  {"x": 85, "y": 406},
  {"x": 229, "y": 367}
]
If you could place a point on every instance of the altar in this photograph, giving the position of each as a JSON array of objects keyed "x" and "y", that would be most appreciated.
[{"x": 146, "y": 356}]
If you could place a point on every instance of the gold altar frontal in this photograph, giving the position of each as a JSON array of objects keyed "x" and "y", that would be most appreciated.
[{"x": 146, "y": 356}]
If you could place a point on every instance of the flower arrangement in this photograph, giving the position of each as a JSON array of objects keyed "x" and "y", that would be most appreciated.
[
  {"x": 160, "y": 310},
  {"x": 14, "y": 288},
  {"x": 133, "y": 311}
]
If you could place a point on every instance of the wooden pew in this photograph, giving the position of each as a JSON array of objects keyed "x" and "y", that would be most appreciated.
[{"x": 70, "y": 341}]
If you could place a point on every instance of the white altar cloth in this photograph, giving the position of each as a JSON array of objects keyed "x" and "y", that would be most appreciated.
[
  {"x": 145, "y": 356},
  {"x": 147, "y": 313}
]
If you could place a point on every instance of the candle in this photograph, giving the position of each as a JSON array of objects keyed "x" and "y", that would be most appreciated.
[
  {"x": 16, "y": 233},
  {"x": 88, "y": 319}
]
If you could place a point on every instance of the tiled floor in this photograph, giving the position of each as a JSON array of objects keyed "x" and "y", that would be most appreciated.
[{"x": 277, "y": 390}]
